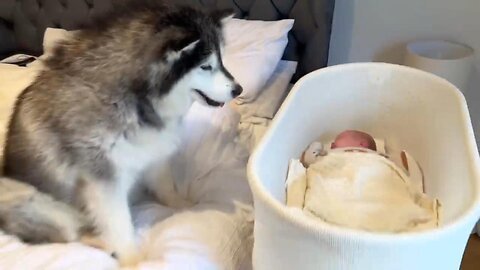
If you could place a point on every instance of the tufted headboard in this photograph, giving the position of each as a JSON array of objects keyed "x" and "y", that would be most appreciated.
[{"x": 23, "y": 22}]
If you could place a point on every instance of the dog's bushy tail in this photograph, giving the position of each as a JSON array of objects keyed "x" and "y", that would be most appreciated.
[{"x": 36, "y": 217}]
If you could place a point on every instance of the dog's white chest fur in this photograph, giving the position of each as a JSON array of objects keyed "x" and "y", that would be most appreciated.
[{"x": 132, "y": 155}]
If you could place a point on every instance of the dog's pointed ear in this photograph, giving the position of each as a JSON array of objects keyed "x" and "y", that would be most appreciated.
[
  {"x": 176, "y": 48},
  {"x": 182, "y": 44},
  {"x": 221, "y": 16},
  {"x": 190, "y": 46}
]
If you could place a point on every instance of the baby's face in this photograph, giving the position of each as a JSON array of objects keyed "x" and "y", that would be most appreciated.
[{"x": 354, "y": 138}]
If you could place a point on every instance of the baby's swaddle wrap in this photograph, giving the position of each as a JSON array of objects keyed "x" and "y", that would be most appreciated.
[{"x": 361, "y": 190}]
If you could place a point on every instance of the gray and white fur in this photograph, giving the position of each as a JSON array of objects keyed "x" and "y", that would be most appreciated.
[{"x": 104, "y": 116}]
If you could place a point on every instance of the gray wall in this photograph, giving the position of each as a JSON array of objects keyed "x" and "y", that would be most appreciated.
[{"x": 377, "y": 30}]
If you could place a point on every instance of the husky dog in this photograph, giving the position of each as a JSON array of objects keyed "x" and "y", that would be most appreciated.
[{"x": 104, "y": 115}]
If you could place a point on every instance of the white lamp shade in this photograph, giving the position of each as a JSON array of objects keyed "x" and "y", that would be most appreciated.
[{"x": 450, "y": 60}]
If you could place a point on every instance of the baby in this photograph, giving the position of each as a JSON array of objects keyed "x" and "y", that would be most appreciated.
[
  {"x": 354, "y": 138},
  {"x": 348, "y": 138},
  {"x": 356, "y": 183}
]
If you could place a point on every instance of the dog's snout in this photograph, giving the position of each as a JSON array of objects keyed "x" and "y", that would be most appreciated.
[{"x": 237, "y": 90}]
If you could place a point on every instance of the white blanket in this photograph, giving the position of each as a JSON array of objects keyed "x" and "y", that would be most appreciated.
[
  {"x": 368, "y": 192},
  {"x": 215, "y": 234}
]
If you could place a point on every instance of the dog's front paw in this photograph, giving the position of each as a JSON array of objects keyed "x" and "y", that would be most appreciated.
[{"x": 129, "y": 257}]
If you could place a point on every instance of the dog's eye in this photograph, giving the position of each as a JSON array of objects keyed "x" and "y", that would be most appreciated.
[{"x": 206, "y": 67}]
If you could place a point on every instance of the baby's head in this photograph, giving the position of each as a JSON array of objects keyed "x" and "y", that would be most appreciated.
[{"x": 354, "y": 138}]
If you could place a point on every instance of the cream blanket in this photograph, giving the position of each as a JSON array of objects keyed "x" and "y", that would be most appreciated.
[{"x": 360, "y": 190}]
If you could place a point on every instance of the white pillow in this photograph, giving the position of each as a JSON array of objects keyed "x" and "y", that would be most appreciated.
[
  {"x": 252, "y": 51},
  {"x": 272, "y": 95},
  {"x": 256, "y": 116}
]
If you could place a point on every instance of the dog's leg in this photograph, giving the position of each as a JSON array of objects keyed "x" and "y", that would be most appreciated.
[
  {"x": 107, "y": 205},
  {"x": 159, "y": 179}
]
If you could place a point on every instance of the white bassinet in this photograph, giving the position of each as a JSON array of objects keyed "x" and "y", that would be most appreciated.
[{"x": 414, "y": 110}]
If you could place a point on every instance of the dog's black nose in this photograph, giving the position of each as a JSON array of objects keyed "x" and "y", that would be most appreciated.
[{"x": 237, "y": 91}]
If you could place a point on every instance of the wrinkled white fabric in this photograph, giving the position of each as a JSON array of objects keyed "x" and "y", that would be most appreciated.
[{"x": 256, "y": 116}]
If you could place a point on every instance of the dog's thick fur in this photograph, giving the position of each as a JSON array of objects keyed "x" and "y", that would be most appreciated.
[{"x": 104, "y": 114}]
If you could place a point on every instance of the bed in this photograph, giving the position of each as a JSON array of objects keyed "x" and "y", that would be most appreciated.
[{"x": 217, "y": 232}]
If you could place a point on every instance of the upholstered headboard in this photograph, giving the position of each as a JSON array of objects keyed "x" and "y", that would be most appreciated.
[{"x": 23, "y": 22}]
